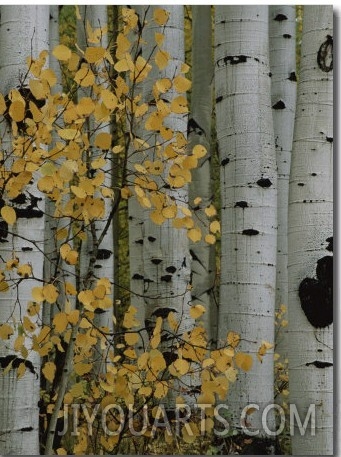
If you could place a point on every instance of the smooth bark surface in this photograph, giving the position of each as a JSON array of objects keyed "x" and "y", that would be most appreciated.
[
  {"x": 310, "y": 264},
  {"x": 248, "y": 197}
]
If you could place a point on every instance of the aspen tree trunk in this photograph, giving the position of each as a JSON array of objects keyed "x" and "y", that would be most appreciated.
[
  {"x": 100, "y": 236},
  {"x": 282, "y": 34},
  {"x": 166, "y": 258},
  {"x": 248, "y": 198},
  {"x": 165, "y": 248},
  {"x": 310, "y": 261},
  {"x": 199, "y": 131},
  {"x": 23, "y": 31},
  {"x": 135, "y": 210},
  {"x": 51, "y": 247}
]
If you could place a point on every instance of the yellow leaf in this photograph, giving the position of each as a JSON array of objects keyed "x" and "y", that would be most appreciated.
[
  {"x": 73, "y": 317},
  {"x": 21, "y": 370},
  {"x": 60, "y": 322},
  {"x": 123, "y": 45},
  {"x": 33, "y": 309},
  {"x": 129, "y": 320},
  {"x": 109, "y": 99},
  {"x": 85, "y": 77},
  {"x": 181, "y": 84},
  {"x": 49, "y": 76},
  {"x": 243, "y": 361},
  {"x": 78, "y": 191},
  {"x": 159, "y": 38},
  {"x": 86, "y": 297},
  {"x": 61, "y": 52},
  {"x": 38, "y": 90},
  {"x": 145, "y": 391},
  {"x": 179, "y": 105},
  {"x": 37, "y": 294},
  {"x": 215, "y": 227},
  {"x": 199, "y": 151},
  {"x": 157, "y": 217},
  {"x": 163, "y": 85},
  {"x": 64, "y": 250},
  {"x": 103, "y": 141},
  {"x": 231, "y": 374},
  {"x": 3, "y": 106},
  {"x": 210, "y": 211},
  {"x": 49, "y": 371},
  {"x": 25, "y": 270},
  {"x": 28, "y": 325},
  {"x": 197, "y": 311},
  {"x": 169, "y": 212},
  {"x": 210, "y": 239},
  {"x": 50, "y": 293},
  {"x": 94, "y": 54},
  {"x": 161, "y": 16},
  {"x": 82, "y": 368},
  {"x": 131, "y": 338},
  {"x": 190, "y": 436},
  {"x": 4, "y": 287},
  {"x": 6, "y": 331},
  {"x": 17, "y": 110},
  {"x": 68, "y": 134},
  {"x": 161, "y": 59},
  {"x": 8, "y": 214},
  {"x": 179, "y": 368},
  {"x": 70, "y": 289},
  {"x": 233, "y": 339},
  {"x": 194, "y": 234},
  {"x": 185, "y": 68},
  {"x": 161, "y": 389}
]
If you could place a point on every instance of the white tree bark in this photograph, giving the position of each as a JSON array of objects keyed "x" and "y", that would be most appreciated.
[
  {"x": 23, "y": 30},
  {"x": 310, "y": 264},
  {"x": 199, "y": 131},
  {"x": 248, "y": 197},
  {"x": 165, "y": 248},
  {"x": 135, "y": 128},
  {"x": 282, "y": 34},
  {"x": 100, "y": 239}
]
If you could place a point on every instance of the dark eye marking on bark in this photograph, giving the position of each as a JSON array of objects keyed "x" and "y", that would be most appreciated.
[
  {"x": 325, "y": 55},
  {"x": 280, "y": 17},
  {"x": 137, "y": 276},
  {"x": 264, "y": 182},
  {"x": 163, "y": 312},
  {"x": 16, "y": 361},
  {"x": 151, "y": 239},
  {"x": 241, "y": 204},
  {"x": 156, "y": 261},
  {"x": 224, "y": 162},
  {"x": 329, "y": 139},
  {"x": 292, "y": 76},
  {"x": 139, "y": 241},
  {"x": 330, "y": 244},
  {"x": 103, "y": 254},
  {"x": 319, "y": 364},
  {"x": 171, "y": 269},
  {"x": 3, "y": 231},
  {"x": 250, "y": 232},
  {"x": 193, "y": 126},
  {"x": 232, "y": 60},
  {"x": 26, "y": 249},
  {"x": 316, "y": 295},
  {"x": 219, "y": 99},
  {"x": 166, "y": 278},
  {"x": 286, "y": 35},
  {"x": 279, "y": 105}
]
